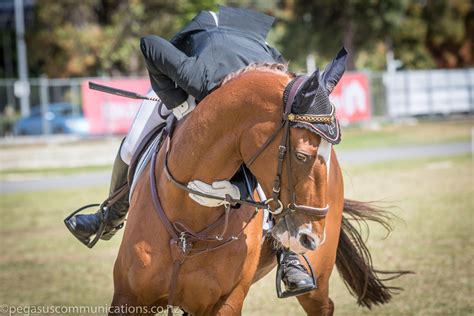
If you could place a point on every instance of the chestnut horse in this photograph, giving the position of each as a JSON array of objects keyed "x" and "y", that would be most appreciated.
[{"x": 221, "y": 134}]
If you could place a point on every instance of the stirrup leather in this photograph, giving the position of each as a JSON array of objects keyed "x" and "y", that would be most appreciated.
[{"x": 105, "y": 220}]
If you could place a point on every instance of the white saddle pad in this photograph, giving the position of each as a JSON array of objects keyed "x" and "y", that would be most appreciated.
[{"x": 143, "y": 162}]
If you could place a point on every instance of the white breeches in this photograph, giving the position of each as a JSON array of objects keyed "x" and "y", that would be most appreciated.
[{"x": 147, "y": 118}]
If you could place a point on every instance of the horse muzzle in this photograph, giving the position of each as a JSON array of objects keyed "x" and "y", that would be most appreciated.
[
  {"x": 299, "y": 241},
  {"x": 308, "y": 241}
]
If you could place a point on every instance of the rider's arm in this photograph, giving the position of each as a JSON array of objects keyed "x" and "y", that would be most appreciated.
[{"x": 163, "y": 61}]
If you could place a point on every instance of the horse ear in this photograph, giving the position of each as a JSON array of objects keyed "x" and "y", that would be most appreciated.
[
  {"x": 305, "y": 97},
  {"x": 334, "y": 71}
]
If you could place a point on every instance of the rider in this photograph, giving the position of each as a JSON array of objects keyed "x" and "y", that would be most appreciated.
[{"x": 210, "y": 47}]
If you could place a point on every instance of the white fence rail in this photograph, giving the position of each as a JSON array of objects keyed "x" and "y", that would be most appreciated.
[{"x": 429, "y": 92}]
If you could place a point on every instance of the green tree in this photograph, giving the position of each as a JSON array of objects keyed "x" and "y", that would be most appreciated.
[
  {"x": 324, "y": 26},
  {"x": 436, "y": 33},
  {"x": 101, "y": 37},
  {"x": 422, "y": 33}
]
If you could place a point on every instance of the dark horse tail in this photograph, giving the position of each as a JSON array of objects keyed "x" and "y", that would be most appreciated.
[{"x": 354, "y": 261}]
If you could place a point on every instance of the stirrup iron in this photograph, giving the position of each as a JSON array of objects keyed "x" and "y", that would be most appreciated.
[
  {"x": 86, "y": 241},
  {"x": 279, "y": 280}
]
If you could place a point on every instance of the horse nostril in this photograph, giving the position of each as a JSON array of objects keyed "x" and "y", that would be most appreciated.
[{"x": 308, "y": 242}]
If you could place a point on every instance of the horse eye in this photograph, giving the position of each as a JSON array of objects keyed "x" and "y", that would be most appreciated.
[{"x": 302, "y": 157}]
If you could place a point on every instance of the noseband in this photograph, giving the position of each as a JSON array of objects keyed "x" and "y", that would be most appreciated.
[{"x": 283, "y": 154}]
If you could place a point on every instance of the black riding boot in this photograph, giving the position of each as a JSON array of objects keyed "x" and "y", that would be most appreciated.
[
  {"x": 110, "y": 215},
  {"x": 294, "y": 275}
]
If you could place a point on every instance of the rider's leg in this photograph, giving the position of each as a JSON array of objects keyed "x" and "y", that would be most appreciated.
[
  {"x": 87, "y": 225},
  {"x": 296, "y": 278},
  {"x": 150, "y": 115}
]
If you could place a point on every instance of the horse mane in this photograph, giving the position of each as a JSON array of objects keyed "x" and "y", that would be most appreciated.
[{"x": 275, "y": 68}]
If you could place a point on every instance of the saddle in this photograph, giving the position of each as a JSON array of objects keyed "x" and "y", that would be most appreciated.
[
  {"x": 243, "y": 179},
  {"x": 142, "y": 155}
]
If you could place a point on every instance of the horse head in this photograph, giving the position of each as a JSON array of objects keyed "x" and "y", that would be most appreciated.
[{"x": 299, "y": 193}]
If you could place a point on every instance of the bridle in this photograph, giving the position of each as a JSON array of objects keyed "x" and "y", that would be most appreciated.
[
  {"x": 182, "y": 238},
  {"x": 283, "y": 154}
]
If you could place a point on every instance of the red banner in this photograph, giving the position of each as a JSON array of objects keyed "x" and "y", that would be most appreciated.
[
  {"x": 111, "y": 114},
  {"x": 351, "y": 98},
  {"x": 108, "y": 113}
]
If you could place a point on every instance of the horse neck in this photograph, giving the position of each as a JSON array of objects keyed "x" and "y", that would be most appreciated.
[
  {"x": 204, "y": 147},
  {"x": 207, "y": 145}
]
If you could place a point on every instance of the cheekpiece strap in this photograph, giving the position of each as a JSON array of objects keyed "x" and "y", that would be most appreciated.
[
  {"x": 289, "y": 96},
  {"x": 290, "y": 92}
]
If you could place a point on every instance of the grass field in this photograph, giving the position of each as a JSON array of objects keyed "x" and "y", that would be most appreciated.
[
  {"x": 417, "y": 133},
  {"x": 42, "y": 264},
  {"x": 433, "y": 237}
]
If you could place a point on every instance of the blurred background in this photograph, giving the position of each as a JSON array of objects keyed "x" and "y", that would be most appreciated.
[{"x": 406, "y": 104}]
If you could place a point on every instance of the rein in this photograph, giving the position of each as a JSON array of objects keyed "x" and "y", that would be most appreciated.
[
  {"x": 228, "y": 200},
  {"x": 182, "y": 238}
]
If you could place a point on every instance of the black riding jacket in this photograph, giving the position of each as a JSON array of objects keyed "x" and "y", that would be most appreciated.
[{"x": 210, "y": 47}]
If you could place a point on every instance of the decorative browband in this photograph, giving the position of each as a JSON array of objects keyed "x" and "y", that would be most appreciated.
[{"x": 313, "y": 118}]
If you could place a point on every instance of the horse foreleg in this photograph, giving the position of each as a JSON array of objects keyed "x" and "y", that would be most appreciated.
[
  {"x": 322, "y": 260},
  {"x": 124, "y": 301},
  {"x": 231, "y": 304},
  {"x": 317, "y": 302},
  {"x": 124, "y": 304}
]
